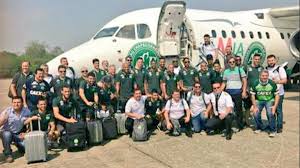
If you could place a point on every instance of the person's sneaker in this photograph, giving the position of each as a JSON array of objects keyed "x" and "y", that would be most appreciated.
[
  {"x": 175, "y": 133},
  {"x": 189, "y": 134},
  {"x": 272, "y": 134},
  {"x": 257, "y": 131},
  {"x": 279, "y": 130},
  {"x": 9, "y": 159},
  {"x": 203, "y": 133},
  {"x": 228, "y": 136}
]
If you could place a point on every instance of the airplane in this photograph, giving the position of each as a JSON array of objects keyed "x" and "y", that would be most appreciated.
[{"x": 173, "y": 32}]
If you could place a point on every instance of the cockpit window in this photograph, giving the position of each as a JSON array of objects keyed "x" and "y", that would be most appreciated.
[
  {"x": 143, "y": 31},
  {"x": 107, "y": 32},
  {"x": 127, "y": 32}
]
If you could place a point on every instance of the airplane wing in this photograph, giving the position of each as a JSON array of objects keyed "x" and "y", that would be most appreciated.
[{"x": 285, "y": 12}]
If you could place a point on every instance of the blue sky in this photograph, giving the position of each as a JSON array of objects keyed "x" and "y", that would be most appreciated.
[{"x": 68, "y": 23}]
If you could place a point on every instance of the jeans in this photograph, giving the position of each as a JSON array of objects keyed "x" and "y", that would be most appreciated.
[
  {"x": 9, "y": 137},
  {"x": 238, "y": 102},
  {"x": 279, "y": 112},
  {"x": 215, "y": 123},
  {"x": 198, "y": 122},
  {"x": 271, "y": 117}
]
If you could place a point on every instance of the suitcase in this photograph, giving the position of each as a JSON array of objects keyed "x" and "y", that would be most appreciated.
[
  {"x": 109, "y": 126},
  {"x": 36, "y": 145},
  {"x": 140, "y": 132},
  {"x": 95, "y": 133},
  {"x": 76, "y": 135},
  {"x": 121, "y": 119}
]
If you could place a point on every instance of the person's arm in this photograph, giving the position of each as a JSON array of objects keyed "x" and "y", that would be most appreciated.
[
  {"x": 30, "y": 119},
  {"x": 223, "y": 86},
  {"x": 52, "y": 127},
  {"x": 117, "y": 88},
  {"x": 244, "y": 87},
  {"x": 3, "y": 117},
  {"x": 24, "y": 97},
  {"x": 13, "y": 89},
  {"x": 96, "y": 97},
  {"x": 58, "y": 116},
  {"x": 208, "y": 110},
  {"x": 146, "y": 87},
  {"x": 129, "y": 113},
  {"x": 83, "y": 98},
  {"x": 277, "y": 97}
]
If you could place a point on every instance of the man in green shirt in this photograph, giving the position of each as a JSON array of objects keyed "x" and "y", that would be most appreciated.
[
  {"x": 125, "y": 84},
  {"x": 107, "y": 94},
  {"x": 205, "y": 78},
  {"x": 162, "y": 65},
  {"x": 140, "y": 75},
  {"x": 99, "y": 73},
  {"x": 188, "y": 76},
  {"x": 170, "y": 82},
  {"x": 61, "y": 80},
  {"x": 153, "y": 79},
  {"x": 153, "y": 107},
  {"x": 264, "y": 94},
  {"x": 216, "y": 74}
]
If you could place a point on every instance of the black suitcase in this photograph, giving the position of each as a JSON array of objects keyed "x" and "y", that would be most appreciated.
[
  {"x": 109, "y": 128},
  {"x": 76, "y": 135}
]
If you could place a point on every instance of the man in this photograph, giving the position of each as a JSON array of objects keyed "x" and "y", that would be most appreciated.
[
  {"x": 64, "y": 109},
  {"x": 13, "y": 120},
  {"x": 61, "y": 80},
  {"x": 238, "y": 61},
  {"x": 125, "y": 84},
  {"x": 140, "y": 74},
  {"x": 153, "y": 78},
  {"x": 170, "y": 82},
  {"x": 199, "y": 103},
  {"x": 69, "y": 70},
  {"x": 46, "y": 120},
  {"x": 19, "y": 80},
  {"x": 47, "y": 77},
  {"x": 154, "y": 107},
  {"x": 111, "y": 74},
  {"x": 205, "y": 78},
  {"x": 162, "y": 65},
  {"x": 264, "y": 94},
  {"x": 128, "y": 60},
  {"x": 188, "y": 76},
  {"x": 176, "y": 66},
  {"x": 222, "y": 111},
  {"x": 216, "y": 74},
  {"x": 208, "y": 48},
  {"x": 34, "y": 89},
  {"x": 228, "y": 54},
  {"x": 210, "y": 62},
  {"x": 235, "y": 82},
  {"x": 278, "y": 75},
  {"x": 88, "y": 93},
  {"x": 177, "y": 113},
  {"x": 99, "y": 73},
  {"x": 84, "y": 71},
  {"x": 105, "y": 65},
  {"x": 252, "y": 72},
  {"x": 135, "y": 109},
  {"x": 107, "y": 94}
]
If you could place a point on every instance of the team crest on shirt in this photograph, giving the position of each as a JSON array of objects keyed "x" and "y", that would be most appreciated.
[
  {"x": 150, "y": 73},
  {"x": 42, "y": 87},
  {"x": 184, "y": 73},
  {"x": 249, "y": 69},
  {"x": 192, "y": 72},
  {"x": 61, "y": 103},
  {"x": 150, "y": 103},
  {"x": 48, "y": 117},
  {"x": 130, "y": 76}
]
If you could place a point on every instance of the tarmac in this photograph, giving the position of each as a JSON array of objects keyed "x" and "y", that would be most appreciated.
[{"x": 246, "y": 149}]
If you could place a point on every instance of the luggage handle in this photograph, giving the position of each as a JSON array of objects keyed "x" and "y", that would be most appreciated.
[{"x": 39, "y": 124}]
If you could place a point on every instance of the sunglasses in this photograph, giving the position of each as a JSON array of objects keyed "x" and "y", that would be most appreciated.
[
  {"x": 197, "y": 86},
  {"x": 216, "y": 88},
  {"x": 62, "y": 71},
  {"x": 129, "y": 60},
  {"x": 84, "y": 71},
  {"x": 187, "y": 62},
  {"x": 231, "y": 62}
]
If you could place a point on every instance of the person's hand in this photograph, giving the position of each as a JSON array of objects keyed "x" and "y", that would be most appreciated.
[
  {"x": 25, "y": 105},
  {"x": 169, "y": 125},
  {"x": 22, "y": 135},
  {"x": 166, "y": 97},
  {"x": 222, "y": 115},
  {"x": 51, "y": 133},
  {"x": 147, "y": 116},
  {"x": 90, "y": 103},
  {"x": 186, "y": 119},
  {"x": 72, "y": 120},
  {"x": 206, "y": 114},
  {"x": 254, "y": 109},
  {"x": 244, "y": 95},
  {"x": 140, "y": 116},
  {"x": 35, "y": 118},
  {"x": 112, "y": 96},
  {"x": 273, "y": 110}
]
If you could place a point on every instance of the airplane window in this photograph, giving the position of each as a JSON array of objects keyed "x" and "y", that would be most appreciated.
[
  {"x": 143, "y": 31},
  {"x": 213, "y": 33},
  {"x": 127, "y": 32},
  {"x": 267, "y": 35},
  {"x": 224, "y": 34},
  {"x": 251, "y": 34},
  {"x": 233, "y": 34},
  {"x": 282, "y": 35},
  {"x": 289, "y": 35},
  {"x": 259, "y": 35},
  {"x": 107, "y": 32},
  {"x": 243, "y": 34}
]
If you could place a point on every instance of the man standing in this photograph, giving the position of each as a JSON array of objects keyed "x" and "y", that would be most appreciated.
[
  {"x": 69, "y": 70},
  {"x": 208, "y": 48},
  {"x": 34, "y": 89},
  {"x": 162, "y": 65},
  {"x": 61, "y": 80},
  {"x": 13, "y": 120},
  {"x": 222, "y": 111},
  {"x": 264, "y": 94},
  {"x": 19, "y": 80},
  {"x": 278, "y": 75},
  {"x": 105, "y": 65},
  {"x": 153, "y": 79},
  {"x": 170, "y": 82},
  {"x": 188, "y": 76},
  {"x": 205, "y": 78},
  {"x": 235, "y": 82},
  {"x": 216, "y": 74},
  {"x": 140, "y": 74},
  {"x": 99, "y": 73}
]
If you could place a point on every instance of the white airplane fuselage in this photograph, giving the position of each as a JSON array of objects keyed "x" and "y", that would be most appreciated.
[{"x": 267, "y": 37}]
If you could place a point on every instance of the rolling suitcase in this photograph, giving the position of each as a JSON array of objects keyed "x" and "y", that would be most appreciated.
[
  {"x": 140, "y": 130},
  {"x": 95, "y": 133},
  {"x": 109, "y": 126},
  {"x": 121, "y": 119},
  {"x": 36, "y": 145}
]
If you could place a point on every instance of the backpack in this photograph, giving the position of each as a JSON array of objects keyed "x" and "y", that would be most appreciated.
[{"x": 140, "y": 130}]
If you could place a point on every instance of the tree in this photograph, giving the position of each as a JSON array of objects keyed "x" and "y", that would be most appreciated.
[
  {"x": 56, "y": 51},
  {"x": 36, "y": 49}
]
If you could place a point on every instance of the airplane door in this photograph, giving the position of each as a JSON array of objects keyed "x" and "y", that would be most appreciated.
[{"x": 169, "y": 26}]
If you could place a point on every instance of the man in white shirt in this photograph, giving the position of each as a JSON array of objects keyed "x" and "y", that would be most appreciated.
[
  {"x": 278, "y": 75},
  {"x": 135, "y": 109},
  {"x": 222, "y": 111},
  {"x": 208, "y": 48},
  {"x": 177, "y": 113},
  {"x": 69, "y": 70}
]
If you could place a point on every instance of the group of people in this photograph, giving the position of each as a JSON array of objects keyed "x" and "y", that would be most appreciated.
[{"x": 173, "y": 97}]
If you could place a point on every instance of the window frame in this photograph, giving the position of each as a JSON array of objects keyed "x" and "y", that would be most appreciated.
[
  {"x": 134, "y": 30},
  {"x": 137, "y": 31}
]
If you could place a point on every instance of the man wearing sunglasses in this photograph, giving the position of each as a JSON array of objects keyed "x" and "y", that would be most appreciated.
[
  {"x": 188, "y": 76},
  {"x": 61, "y": 80},
  {"x": 222, "y": 111},
  {"x": 84, "y": 71},
  {"x": 235, "y": 83}
]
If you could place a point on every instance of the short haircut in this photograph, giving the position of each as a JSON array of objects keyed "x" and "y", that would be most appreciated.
[
  {"x": 230, "y": 59},
  {"x": 65, "y": 86},
  {"x": 271, "y": 56},
  {"x": 38, "y": 69},
  {"x": 154, "y": 91},
  {"x": 91, "y": 74},
  {"x": 256, "y": 55},
  {"x": 176, "y": 90},
  {"x": 137, "y": 89},
  {"x": 17, "y": 97},
  {"x": 264, "y": 71},
  {"x": 216, "y": 82},
  {"x": 162, "y": 58},
  {"x": 216, "y": 62},
  {"x": 44, "y": 65},
  {"x": 206, "y": 35},
  {"x": 61, "y": 66},
  {"x": 140, "y": 58},
  {"x": 63, "y": 58},
  {"x": 185, "y": 58},
  {"x": 237, "y": 56},
  {"x": 203, "y": 62},
  {"x": 197, "y": 83},
  {"x": 95, "y": 60},
  {"x": 25, "y": 61},
  {"x": 42, "y": 99}
]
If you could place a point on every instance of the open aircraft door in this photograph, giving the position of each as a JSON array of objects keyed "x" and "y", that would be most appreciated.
[{"x": 169, "y": 31}]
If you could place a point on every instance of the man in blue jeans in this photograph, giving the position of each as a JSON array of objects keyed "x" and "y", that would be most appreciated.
[
  {"x": 264, "y": 94},
  {"x": 13, "y": 120}
]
